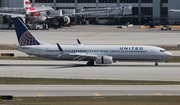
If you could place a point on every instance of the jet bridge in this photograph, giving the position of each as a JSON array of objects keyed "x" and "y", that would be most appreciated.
[
  {"x": 107, "y": 11},
  {"x": 12, "y": 10},
  {"x": 106, "y": 14}
]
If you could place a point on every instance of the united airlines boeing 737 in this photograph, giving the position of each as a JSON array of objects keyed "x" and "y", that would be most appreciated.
[{"x": 99, "y": 54}]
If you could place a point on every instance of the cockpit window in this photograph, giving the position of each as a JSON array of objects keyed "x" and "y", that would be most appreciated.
[{"x": 162, "y": 50}]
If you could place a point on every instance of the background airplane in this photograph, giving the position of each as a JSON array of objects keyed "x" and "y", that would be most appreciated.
[
  {"x": 35, "y": 14},
  {"x": 39, "y": 14},
  {"x": 99, "y": 54}
]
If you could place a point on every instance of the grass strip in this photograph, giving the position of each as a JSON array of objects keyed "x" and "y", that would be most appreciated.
[
  {"x": 173, "y": 59},
  {"x": 8, "y": 47},
  {"x": 23, "y": 58},
  {"x": 170, "y": 47},
  {"x": 57, "y": 81},
  {"x": 101, "y": 100}
]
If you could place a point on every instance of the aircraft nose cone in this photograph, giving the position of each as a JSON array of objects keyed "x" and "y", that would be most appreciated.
[{"x": 169, "y": 54}]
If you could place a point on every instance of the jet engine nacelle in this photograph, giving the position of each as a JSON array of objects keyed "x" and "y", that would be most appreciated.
[
  {"x": 104, "y": 60},
  {"x": 66, "y": 20}
]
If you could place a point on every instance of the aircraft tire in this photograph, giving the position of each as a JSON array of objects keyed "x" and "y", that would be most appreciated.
[
  {"x": 156, "y": 64},
  {"x": 90, "y": 63}
]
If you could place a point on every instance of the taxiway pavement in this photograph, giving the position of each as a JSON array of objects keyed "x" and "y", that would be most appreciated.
[
  {"x": 90, "y": 34},
  {"x": 99, "y": 34},
  {"x": 79, "y": 70},
  {"x": 90, "y": 90},
  {"x": 94, "y": 34}
]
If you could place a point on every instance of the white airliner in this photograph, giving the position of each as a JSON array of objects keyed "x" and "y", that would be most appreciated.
[{"x": 99, "y": 54}]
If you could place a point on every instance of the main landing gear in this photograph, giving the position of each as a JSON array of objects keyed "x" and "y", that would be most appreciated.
[
  {"x": 90, "y": 63},
  {"x": 156, "y": 64}
]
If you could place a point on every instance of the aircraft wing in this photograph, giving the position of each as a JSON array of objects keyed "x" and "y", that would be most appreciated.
[
  {"x": 174, "y": 10},
  {"x": 39, "y": 9},
  {"x": 81, "y": 56},
  {"x": 77, "y": 56},
  {"x": 14, "y": 14}
]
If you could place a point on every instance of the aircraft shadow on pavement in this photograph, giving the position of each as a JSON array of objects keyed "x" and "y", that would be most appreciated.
[
  {"x": 84, "y": 65},
  {"x": 56, "y": 66}
]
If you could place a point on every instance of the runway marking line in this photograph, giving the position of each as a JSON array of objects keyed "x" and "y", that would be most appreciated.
[
  {"x": 159, "y": 94},
  {"x": 40, "y": 95},
  {"x": 97, "y": 94}
]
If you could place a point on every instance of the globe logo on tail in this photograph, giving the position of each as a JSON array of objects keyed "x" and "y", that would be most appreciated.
[{"x": 28, "y": 39}]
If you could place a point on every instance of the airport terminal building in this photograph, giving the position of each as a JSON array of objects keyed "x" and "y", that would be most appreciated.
[{"x": 142, "y": 10}]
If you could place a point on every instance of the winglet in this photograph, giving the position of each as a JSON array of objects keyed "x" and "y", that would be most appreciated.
[
  {"x": 79, "y": 42},
  {"x": 59, "y": 47}
]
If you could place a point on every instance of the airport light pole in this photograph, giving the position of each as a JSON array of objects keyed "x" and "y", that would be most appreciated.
[
  {"x": 76, "y": 7},
  {"x": 139, "y": 12},
  {"x": 54, "y": 4},
  {"x": 118, "y": 3},
  {"x": 97, "y": 6}
]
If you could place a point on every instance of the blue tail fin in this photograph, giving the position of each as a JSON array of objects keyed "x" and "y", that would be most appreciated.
[{"x": 24, "y": 36}]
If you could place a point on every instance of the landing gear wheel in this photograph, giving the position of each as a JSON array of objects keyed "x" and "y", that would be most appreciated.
[
  {"x": 90, "y": 63},
  {"x": 156, "y": 64}
]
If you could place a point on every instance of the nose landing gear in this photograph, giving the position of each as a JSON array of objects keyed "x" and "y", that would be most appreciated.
[{"x": 156, "y": 64}]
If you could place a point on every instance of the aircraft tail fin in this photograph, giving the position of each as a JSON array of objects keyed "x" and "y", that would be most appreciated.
[
  {"x": 27, "y": 4},
  {"x": 24, "y": 36}
]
